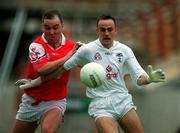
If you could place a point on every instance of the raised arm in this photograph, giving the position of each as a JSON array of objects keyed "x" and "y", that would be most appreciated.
[{"x": 28, "y": 83}]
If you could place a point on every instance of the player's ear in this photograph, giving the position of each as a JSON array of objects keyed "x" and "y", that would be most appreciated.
[
  {"x": 42, "y": 27},
  {"x": 62, "y": 25},
  {"x": 97, "y": 31}
]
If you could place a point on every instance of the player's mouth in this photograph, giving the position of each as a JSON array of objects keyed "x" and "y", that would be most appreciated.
[
  {"x": 52, "y": 38},
  {"x": 106, "y": 39}
]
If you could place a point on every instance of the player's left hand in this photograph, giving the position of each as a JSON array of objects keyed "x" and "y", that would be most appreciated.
[
  {"x": 24, "y": 83},
  {"x": 155, "y": 75}
]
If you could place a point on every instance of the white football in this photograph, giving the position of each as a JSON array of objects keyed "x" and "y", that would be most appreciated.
[{"x": 92, "y": 75}]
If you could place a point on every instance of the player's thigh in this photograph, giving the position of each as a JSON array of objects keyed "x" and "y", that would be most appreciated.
[
  {"x": 106, "y": 125},
  {"x": 23, "y": 126},
  {"x": 131, "y": 123},
  {"x": 52, "y": 119}
]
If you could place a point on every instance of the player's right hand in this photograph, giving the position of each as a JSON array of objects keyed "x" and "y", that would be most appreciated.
[
  {"x": 79, "y": 44},
  {"x": 24, "y": 83}
]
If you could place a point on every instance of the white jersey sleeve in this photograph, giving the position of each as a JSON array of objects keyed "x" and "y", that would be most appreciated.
[
  {"x": 133, "y": 67},
  {"x": 78, "y": 59}
]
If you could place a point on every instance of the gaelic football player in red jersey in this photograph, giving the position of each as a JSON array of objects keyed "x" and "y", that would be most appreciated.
[{"x": 46, "y": 103}]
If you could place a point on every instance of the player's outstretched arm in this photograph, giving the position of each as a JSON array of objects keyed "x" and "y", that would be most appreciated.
[
  {"x": 154, "y": 76},
  {"x": 29, "y": 83}
]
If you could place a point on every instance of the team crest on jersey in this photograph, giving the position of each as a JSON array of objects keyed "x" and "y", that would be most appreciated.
[
  {"x": 34, "y": 54},
  {"x": 97, "y": 56},
  {"x": 119, "y": 57}
]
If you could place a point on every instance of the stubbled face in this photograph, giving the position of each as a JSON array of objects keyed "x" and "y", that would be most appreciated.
[
  {"x": 52, "y": 29},
  {"x": 106, "y": 31}
]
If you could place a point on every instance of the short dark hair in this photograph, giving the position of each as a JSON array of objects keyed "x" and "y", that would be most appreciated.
[
  {"x": 105, "y": 17},
  {"x": 49, "y": 14}
]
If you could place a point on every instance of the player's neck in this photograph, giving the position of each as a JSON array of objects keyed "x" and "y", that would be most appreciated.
[
  {"x": 56, "y": 44},
  {"x": 108, "y": 46}
]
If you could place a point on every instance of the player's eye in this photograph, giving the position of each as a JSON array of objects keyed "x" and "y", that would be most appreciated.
[
  {"x": 47, "y": 27},
  {"x": 102, "y": 29},
  {"x": 108, "y": 29},
  {"x": 55, "y": 27}
]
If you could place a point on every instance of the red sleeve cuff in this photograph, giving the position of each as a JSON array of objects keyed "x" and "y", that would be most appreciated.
[{"x": 39, "y": 63}]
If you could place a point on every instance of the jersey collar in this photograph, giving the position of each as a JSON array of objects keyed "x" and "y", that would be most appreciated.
[
  {"x": 62, "y": 41},
  {"x": 99, "y": 43}
]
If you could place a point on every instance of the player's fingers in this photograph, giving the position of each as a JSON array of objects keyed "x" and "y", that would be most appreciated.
[
  {"x": 159, "y": 70},
  {"x": 149, "y": 69},
  {"x": 79, "y": 43},
  {"x": 19, "y": 82},
  {"x": 23, "y": 87},
  {"x": 162, "y": 80},
  {"x": 22, "y": 83},
  {"x": 163, "y": 77},
  {"x": 16, "y": 83},
  {"x": 161, "y": 74}
]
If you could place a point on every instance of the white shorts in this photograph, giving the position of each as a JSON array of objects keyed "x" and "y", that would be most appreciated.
[
  {"x": 115, "y": 106},
  {"x": 30, "y": 113}
]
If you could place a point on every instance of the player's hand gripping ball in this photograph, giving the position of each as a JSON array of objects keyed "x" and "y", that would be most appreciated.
[{"x": 92, "y": 75}]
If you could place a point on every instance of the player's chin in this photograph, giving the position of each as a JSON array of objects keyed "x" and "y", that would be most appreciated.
[{"x": 107, "y": 41}]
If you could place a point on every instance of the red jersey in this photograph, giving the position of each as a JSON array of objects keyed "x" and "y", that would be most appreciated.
[{"x": 39, "y": 54}]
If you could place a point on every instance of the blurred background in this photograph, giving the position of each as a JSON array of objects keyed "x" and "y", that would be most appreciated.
[{"x": 150, "y": 27}]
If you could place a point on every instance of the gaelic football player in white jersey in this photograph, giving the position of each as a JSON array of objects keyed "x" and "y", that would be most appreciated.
[{"x": 111, "y": 105}]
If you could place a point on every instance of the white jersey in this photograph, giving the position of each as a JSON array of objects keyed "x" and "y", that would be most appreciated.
[{"x": 117, "y": 61}]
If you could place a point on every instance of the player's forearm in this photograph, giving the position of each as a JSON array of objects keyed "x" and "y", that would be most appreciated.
[
  {"x": 29, "y": 83},
  {"x": 53, "y": 74},
  {"x": 50, "y": 67}
]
